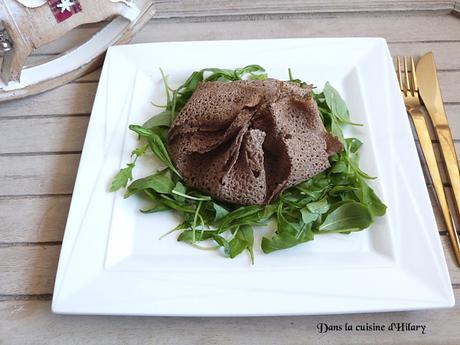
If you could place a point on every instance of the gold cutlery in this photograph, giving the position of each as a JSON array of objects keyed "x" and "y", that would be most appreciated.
[
  {"x": 409, "y": 85},
  {"x": 432, "y": 99}
]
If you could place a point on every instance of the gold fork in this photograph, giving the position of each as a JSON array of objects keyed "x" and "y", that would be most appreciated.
[{"x": 409, "y": 90}]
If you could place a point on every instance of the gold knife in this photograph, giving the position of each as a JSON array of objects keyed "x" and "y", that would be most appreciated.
[{"x": 432, "y": 99}]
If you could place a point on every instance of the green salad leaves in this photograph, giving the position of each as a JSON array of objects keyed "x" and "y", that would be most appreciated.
[{"x": 338, "y": 200}]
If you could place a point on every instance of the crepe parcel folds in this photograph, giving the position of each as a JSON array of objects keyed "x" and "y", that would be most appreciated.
[{"x": 244, "y": 142}]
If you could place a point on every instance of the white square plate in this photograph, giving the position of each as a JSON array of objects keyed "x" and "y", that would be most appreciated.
[{"x": 112, "y": 261}]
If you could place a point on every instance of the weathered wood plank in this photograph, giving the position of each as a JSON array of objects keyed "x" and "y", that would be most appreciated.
[
  {"x": 42, "y": 174},
  {"x": 442, "y": 51},
  {"x": 32, "y": 323},
  {"x": 32, "y": 269},
  {"x": 95, "y": 75},
  {"x": 449, "y": 85},
  {"x": 453, "y": 113},
  {"x": 70, "y": 99},
  {"x": 51, "y": 134},
  {"x": 33, "y": 219},
  {"x": 392, "y": 27},
  {"x": 193, "y": 8},
  {"x": 28, "y": 270}
]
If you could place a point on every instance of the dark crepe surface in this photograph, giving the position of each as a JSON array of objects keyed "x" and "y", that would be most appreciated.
[{"x": 244, "y": 142}]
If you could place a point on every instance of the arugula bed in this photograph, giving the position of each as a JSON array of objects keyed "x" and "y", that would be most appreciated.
[{"x": 338, "y": 200}]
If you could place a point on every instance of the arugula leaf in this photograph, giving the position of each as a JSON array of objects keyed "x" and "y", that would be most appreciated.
[
  {"x": 222, "y": 242},
  {"x": 220, "y": 212},
  {"x": 156, "y": 144},
  {"x": 175, "y": 205},
  {"x": 152, "y": 137},
  {"x": 159, "y": 182},
  {"x": 336, "y": 104},
  {"x": 240, "y": 72},
  {"x": 308, "y": 217},
  {"x": 368, "y": 197},
  {"x": 315, "y": 187},
  {"x": 319, "y": 207},
  {"x": 244, "y": 239},
  {"x": 187, "y": 236},
  {"x": 139, "y": 151},
  {"x": 122, "y": 178},
  {"x": 349, "y": 216},
  {"x": 141, "y": 131},
  {"x": 178, "y": 191},
  {"x": 339, "y": 168},
  {"x": 159, "y": 120},
  {"x": 295, "y": 80},
  {"x": 157, "y": 208},
  {"x": 238, "y": 214},
  {"x": 191, "y": 237},
  {"x": 287, "y": 235},
  {"x": 262, "y": 76}
]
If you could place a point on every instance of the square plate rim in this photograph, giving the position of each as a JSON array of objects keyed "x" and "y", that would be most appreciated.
[{"x": 60, "y": 307}]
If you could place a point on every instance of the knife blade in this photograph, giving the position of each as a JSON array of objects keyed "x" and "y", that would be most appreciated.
[{"x": 430, "y": 93}]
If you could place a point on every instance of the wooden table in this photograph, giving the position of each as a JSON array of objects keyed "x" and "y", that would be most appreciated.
[{"x": 41, "y": 139}]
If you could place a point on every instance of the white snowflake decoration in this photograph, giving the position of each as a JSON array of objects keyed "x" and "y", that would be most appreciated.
[{"x": 65, "y": 5}]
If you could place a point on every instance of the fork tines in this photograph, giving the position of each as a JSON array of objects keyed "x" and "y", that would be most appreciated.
[{"x": 407, "y": 78}]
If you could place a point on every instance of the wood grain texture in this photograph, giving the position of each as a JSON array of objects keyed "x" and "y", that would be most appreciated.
[
  {"x": 191, "y": 8},
  {"x": 393, "y": 28},
  {"x": 449, "y": 85},
  {"x": 28, "y": 270},
  {"x": 42, "y": 174},
  {"x": 44, "y": 134},
  {"x": 32, "y": 269},
  {"x": 436, "y": 28},
  {"x": 443, "y": 52},
  {"x": 31, "y": 323},
  {"x": 49, "y": 134},
  {"x": 70, "y": 99},
  {"x": 40, "y": 219}
]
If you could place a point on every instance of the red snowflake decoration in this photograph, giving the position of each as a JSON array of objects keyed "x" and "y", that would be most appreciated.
[{"x": 63, "y": 9}]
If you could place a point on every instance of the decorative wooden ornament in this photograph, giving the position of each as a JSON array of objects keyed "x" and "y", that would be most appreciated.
[
  {"x": 26, "y": 25},
  {"x": 63, "y": 9}
]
